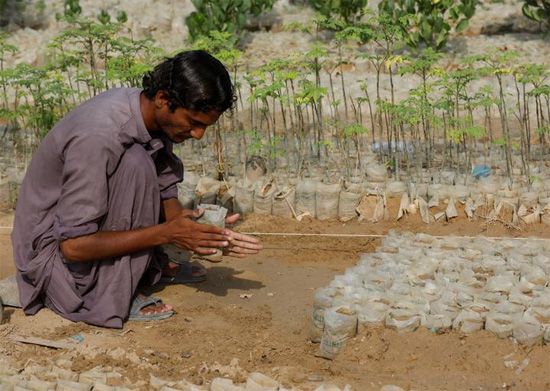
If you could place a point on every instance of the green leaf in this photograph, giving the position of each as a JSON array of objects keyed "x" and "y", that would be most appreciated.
[{"x": 462, "y": 25}]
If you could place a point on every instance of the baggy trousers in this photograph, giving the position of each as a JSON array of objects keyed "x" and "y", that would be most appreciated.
[{"x": 100, "y": 292}]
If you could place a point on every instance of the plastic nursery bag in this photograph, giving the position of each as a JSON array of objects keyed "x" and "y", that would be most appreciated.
[
  {"x": 340, "y": 325},
  {"x": 213, "y": 215},
  {"x": 323, "y": 300}
]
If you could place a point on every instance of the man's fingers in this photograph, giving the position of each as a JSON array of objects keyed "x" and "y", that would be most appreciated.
[
  {"x": 242, "y": 237},
  {"x": 213, "y": 243},
  {"x": 232, "y": 219},
  {"x": 212, "y": 236},
  {"x": 243, "y": 244}
]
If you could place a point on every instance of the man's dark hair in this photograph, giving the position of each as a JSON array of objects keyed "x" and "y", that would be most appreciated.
[{"x": 194, "y": 80}]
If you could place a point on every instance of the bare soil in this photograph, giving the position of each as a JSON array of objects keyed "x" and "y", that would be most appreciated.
[{"x": 257, "y": 310}]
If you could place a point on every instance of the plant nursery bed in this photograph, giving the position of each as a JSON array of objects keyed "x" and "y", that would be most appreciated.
[{"x": 254, "y": 315}]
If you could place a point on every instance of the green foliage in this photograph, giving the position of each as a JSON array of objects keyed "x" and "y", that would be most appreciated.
[
  {"x": 537, "y": 10},
  {"x": 71, "y": 10},
  {"x": 223, "y": 15},
  {"x": 221, "y": 45},
  {"x": 543, "y": 90},
  {"x": 290, "y": 110},
  {"x": 475, "y": 132},
  {"x": 497, "y": 62},
  {"x": 310, "y": 93},
  {"x": 429, "y": 22},
  {"x": 354, "y": 130},
  {"x": 422, "y": 63},
  {"x": 350, "y": 11}
]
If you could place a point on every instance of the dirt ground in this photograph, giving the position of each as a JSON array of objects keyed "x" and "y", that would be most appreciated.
[{"x": 257, "y": 310}]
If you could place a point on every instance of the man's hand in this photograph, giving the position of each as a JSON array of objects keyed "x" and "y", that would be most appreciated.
[
  {"x": 241, "y": 245},
  {"x": 200, "y": 238}
]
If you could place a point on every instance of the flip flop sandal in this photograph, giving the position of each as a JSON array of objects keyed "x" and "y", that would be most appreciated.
[
  {"x": 176, "y": 254},
  {"x": 182, "y": 257},
  {"x": 141, "y": 302},
  {"x": 188, "y": 274}
]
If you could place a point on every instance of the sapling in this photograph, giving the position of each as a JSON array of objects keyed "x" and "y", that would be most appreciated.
[
  {"x": 131, "y": 59},
  {"x": 542, "y": 95},
  {"x": 499, "y": 63},
  {"x": 527, "y": 74},
  {"x": 487, "y": 99},
  {"x": 353, "y": 132},
  {"x": 343, "y": 34},
  {"x": 421, "y": 64},
  {"x": 455, "y": 85},
  {"x": 522, "y": 75},
  {"x": 311, "y": 96},
  {"x": 65, "y": 61}
]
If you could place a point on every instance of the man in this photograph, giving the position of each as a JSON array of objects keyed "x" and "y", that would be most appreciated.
[{"x": 100, "y": 196}]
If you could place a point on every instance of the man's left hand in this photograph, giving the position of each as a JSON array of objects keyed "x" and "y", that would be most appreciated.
[{"x": 241, "y": 245}]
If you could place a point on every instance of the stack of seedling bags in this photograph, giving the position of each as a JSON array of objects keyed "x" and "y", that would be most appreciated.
[
  {"x": 433, "y": 197},
  {"x": 460, "y": 283}
]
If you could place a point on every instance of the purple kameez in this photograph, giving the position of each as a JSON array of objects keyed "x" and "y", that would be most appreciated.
[{"x": 98, "y": 169}]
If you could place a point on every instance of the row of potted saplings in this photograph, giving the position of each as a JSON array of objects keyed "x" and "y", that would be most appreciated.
[{"x": 328, "y": 200}]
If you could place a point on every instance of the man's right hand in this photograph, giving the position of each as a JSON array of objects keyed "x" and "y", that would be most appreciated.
[{"x": 200, "y": 238}]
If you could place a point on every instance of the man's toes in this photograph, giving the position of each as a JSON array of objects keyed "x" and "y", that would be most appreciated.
[{"x": 156, "y": 309}]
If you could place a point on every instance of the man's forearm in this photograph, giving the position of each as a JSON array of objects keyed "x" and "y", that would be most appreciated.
[
  {"x": 111, "y": 244},
  {"x": 172, "y": 208}
]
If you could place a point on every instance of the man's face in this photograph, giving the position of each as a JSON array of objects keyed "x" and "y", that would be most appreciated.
[{"x": 183, "y": 124}]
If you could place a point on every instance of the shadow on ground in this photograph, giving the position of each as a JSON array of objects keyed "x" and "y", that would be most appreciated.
[{"x": 219, "y": 282}]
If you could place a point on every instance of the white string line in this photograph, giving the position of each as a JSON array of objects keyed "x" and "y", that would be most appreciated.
[
  {"x": 383, "y": 236},
  {"x": 305, "y": 234}
]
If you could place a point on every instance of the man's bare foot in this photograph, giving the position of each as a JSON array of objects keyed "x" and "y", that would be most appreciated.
[{"x": 154, "y": 309}]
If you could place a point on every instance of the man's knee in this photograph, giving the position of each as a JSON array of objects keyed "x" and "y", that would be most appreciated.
[{"x": 137, "y": 164}]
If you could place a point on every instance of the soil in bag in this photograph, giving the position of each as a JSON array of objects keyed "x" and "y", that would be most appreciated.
[
  {"x": 283, "y": 203},
  {"x": 263, "y": 198},
  {"x": 243, "y": 201},
  {"x": 327, "y": 197},
  {"x": 305, "y": 196},
  {"x": 213, "y": 215},
  {"x": 340, "y": 325},
  {"x": 349, "y": 199},
  {"x": 206, "y": 191}
]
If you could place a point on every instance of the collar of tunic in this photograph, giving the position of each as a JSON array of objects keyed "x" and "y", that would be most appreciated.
[{"x": 143, "y": 135}]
